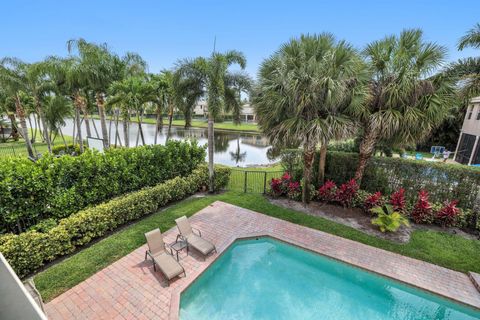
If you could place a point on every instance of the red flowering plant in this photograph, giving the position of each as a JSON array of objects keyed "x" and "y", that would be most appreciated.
[
  {"x": 276, "y": 186},
  {"x": 372, "y": 201},
  {"x": 397, "y": 200},
  {"x": 327, "y": 191},
  {"x": 422, "y": 211},
  {"x": 294, "y": 190},
  {"x": 284, "y": 186},
  {"x": 346, "y": 192},
  {"x": 449, "y": 214}
]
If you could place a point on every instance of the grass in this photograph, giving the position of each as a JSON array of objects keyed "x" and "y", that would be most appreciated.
[
  {"x": 255, "y": 179},
  {"x": 248, "y": 127},
  {"x": 18, "y": 148},
  {"x": 447, "y": 250}
]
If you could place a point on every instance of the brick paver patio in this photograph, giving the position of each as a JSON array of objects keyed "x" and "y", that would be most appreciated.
[{"x": 130, "y": 289}]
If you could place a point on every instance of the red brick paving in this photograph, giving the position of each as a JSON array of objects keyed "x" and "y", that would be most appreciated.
[{"x": 130, "y": 289}]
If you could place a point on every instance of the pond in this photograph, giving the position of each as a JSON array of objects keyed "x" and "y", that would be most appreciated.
[{"x": 231, "y": 148}]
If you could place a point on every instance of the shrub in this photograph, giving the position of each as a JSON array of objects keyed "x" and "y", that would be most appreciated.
[
  {"x": 388, "y": 219},
  {"x": 346, "y": 192},
  {"x": 30, "y": 250},
  {"x": 397, "y": 200},
  {"x": 57, "y": 187},
  {"x": 422, "y": 211},
  {"x": 359, "y": 199},
  {"x": 68, "y": 149},
  {"x": 448, "y": 215},
  {"x": 327, "y": 191},
  {"x": 281, "y": 186},
  {"x": 374, "y": 200}
]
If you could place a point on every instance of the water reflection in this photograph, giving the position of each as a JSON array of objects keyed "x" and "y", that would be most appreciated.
[{"x": 231, "y": 148}]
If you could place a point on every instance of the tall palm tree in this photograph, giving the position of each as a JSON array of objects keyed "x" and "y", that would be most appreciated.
[
  {"x": 405, "y": 102},
  {"x": 13, "y": 81},
  {"x": 215, "y": 77},
  {"x": 467, "y": 70},
  {"x": 133, "y": 92},
  {"x": 57, "y": 109},
  {"x": 306, "y": 92}
]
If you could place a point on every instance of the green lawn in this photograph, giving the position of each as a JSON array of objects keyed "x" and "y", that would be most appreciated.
[
  {"x": 18, "y": 148},
  {"x": 254, "y": 179},
  {"x": 440, "y": 248},
  {"x": 249, "y": 127}
]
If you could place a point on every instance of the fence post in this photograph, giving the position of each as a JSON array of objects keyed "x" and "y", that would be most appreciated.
[
  {"x": 245, "y": 183},
  {"x": 265, "y": 182}
]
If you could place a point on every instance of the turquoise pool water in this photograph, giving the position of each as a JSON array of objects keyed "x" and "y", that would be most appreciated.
[{"x": 268, "y": 279}]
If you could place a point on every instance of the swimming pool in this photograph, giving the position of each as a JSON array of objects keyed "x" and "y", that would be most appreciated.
[{"x": 268, "y": 279}]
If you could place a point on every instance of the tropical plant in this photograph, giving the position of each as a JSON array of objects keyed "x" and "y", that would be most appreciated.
[
  {"x": 13, "y": 79},
  {"x": 218, "y": 86},
  {"x": 57, "y": 109},
  {"x": 372, "y": 201},
  {"x": 405, "y": 102},
  {"x": 397, "y": 200},
  {"x": 388, "y": 219},
  {"x": 305, "y": 94},
  {"x": 467, "y": 70},
  {"x": 346, "y": 193},
  {"x": 327, "y": 191},
  {"x": 448, "y": 215},
  {"x": 422, "y": 211}
]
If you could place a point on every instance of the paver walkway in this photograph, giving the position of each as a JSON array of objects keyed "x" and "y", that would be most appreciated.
[{"x": 129, "y": 289}]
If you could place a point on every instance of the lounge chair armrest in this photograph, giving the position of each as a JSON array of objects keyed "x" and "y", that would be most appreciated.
[{"x": 197, "y": 230}]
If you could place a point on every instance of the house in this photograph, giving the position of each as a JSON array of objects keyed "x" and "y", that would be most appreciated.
[
  {"x": 468, "y": 148},
  {"x": 247, "y": 113}
]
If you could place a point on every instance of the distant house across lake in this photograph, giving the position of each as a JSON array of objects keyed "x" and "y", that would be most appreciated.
[{"x": 247, "y": 114}]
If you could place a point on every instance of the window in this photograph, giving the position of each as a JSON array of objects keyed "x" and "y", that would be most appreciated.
[
  {"x": 478, "y": 114},
  {"x": 470, "y": 111}
]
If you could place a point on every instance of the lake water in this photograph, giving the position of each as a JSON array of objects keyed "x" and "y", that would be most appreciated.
[{"x": 231, "y": 148}]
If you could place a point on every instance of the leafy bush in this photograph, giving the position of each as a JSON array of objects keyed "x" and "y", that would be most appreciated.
[
  {"x": 374, "y": 200},
  {"x": 346, "y": 193},
  {"x": 30, "y": 250},
  {"x": 448, "y": 215},
  {"x": 387, "y": 219},
  {"x": 397, "y": 200},
  {"x": 68, "y": 149},
  {"x": 422, "y": 211},
  {"x": 57, "y": 187},
  {"x": 292, "y": 162},
  {"x": 327, "y": 191}
]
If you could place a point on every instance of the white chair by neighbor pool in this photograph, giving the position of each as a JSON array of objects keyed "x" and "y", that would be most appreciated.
[
  {"x": 193, "y": 238},
  {"x": 157, "y": 250}
]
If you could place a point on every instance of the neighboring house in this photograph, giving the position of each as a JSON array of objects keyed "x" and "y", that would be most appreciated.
[
  {"x": 468, "y": 146},
  {"x": 247, "y": 114}
]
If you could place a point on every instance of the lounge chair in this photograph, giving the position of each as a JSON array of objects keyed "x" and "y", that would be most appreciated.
[
  {"x": 193, "y": 239},
  {"x": 157, "y": 250}
]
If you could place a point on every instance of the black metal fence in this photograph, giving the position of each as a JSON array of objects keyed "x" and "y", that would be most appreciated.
[
  {"x": 15, "y": 150},
  {"x": 251, "y": 181}
]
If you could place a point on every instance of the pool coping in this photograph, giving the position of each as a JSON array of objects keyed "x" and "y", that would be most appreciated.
[{"x": 174, "y": 313}]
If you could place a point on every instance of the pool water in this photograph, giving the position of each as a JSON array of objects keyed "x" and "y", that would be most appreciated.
[{"x": 268, "y": 279}]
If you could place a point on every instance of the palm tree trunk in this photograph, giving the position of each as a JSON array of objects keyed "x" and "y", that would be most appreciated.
[
  {"x": 40, "y": 129},
  {"x": 125, "y": 129},
  {"x": 159, "y": 123},
  {"x": 32, "y": 139},
  {"x": 13, "y": 122},
  {"x": 188, "y": 117},
  {"x": 44, "y": 125},
  {"x": 211, "y": 150},
  {"x": 63, "y": 138},
  {"x": 367, "y": 147},
  {"x": 103, "y": 123},
  {"x": 23, "y": 125},
  {"x": 308, "y": 155},
  {"x": 170, "y": 119},
  {"x": 78, "y": 101},
  {"x": 321, "y": 164},
  {"x": 87, "y": 120},
  {"x": 140, "y": 128}
]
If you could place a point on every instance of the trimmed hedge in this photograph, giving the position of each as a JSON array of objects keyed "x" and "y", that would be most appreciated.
[
  {"x": 29, "y": 251},
  {"x": 57, "y": 187},
  {"x": 442, "y": 181}
]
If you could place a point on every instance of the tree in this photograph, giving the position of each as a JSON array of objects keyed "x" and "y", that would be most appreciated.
[
  {"x": 57, "y": 109},
  {"x": 405, "y": 102},
  {"x": 13, "y": 80},
  {"x": 467, "y": 71},
  {"x": 216, "y": 80},
  {"x": 306, "y": 93}
]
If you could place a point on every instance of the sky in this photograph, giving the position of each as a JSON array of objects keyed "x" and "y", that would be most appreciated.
[{"x": 164, "y": 31}]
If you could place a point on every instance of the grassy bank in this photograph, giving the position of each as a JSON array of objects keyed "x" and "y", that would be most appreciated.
[
  {"x": 447, "y": 250},
  {"x": 18, "y": 148},
  {"x": 247, "y": 127}
]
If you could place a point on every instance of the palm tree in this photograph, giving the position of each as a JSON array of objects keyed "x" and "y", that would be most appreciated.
[
  {"x": 132, "y": 92},
  {"x": 13, "y": 80},
  {"x": 57, "y": 109},
  {"x": 238, "y": 156},
  {"x": 467, "y": 71},
  {"x": 405, "y": 102},
  {"x": 305, "y": 94},
  {"x": 215, "y": 80}
]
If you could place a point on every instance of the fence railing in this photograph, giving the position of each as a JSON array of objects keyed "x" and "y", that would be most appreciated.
[{"x": 251, "y": 181}]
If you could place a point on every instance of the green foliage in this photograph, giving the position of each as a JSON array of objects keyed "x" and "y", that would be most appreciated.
[
  {"x": 57, "y": 187},
  {"x": 30, "y": 250},
  {"x": 68, "y": 149},
  {"x": 387, "y": 219}
]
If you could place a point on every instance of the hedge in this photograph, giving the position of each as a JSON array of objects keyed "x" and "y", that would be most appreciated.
[
  {"x": 55, "y": 187},
  {"x": 442, "y": 181},
  {"x": 29, "y": 251}
]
